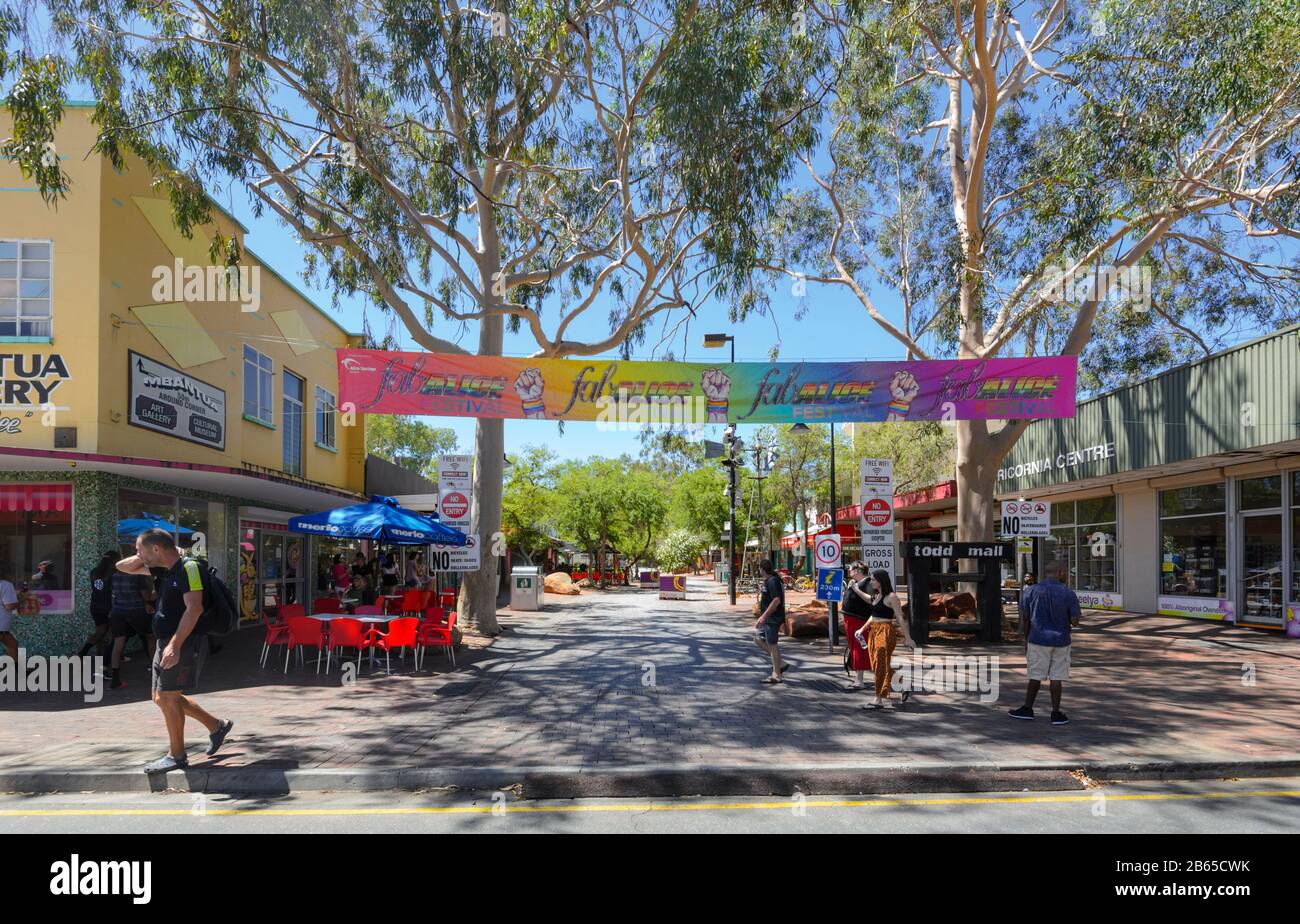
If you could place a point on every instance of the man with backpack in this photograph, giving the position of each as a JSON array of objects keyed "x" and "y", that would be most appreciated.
[{"x": 188, "y": 601}]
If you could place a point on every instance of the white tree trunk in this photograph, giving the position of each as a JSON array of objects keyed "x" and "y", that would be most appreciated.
[
  {"x": 477, "y": 605},
  {"x": 978, "y": 458}
]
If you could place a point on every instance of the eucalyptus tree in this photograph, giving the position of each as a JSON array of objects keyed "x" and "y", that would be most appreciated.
[
  {"x": 467, "y": 169},
  {"x": 1112, "y": 180}
]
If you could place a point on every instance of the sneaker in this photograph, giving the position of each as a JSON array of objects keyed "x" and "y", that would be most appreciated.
[
  {"x": 1059, "y": 718},
  {"x": 218, "y": 737},
  {"x": 165, "y": 763},
  {"x": 1024, "y": 712}
]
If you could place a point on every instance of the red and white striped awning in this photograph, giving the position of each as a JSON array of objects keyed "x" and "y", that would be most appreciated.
[{"x": 30, "y": 497}]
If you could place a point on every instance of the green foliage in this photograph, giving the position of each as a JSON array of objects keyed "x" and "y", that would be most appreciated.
[
  {"x": 924, "y": 452},
  {"x": 528, "y": 501},
  {"x": 679, "y": 550},
  {"x": 698, "y": 504},
  {"x": 408, "y": 442}
]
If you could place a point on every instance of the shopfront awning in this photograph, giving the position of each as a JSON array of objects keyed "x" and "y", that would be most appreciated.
[
  {"x": 35, "y": 497},
  {"x": 848, "y": 532}
]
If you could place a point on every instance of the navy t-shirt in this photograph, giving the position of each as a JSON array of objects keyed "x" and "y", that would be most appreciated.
[{"x": 1050, "y": 605}]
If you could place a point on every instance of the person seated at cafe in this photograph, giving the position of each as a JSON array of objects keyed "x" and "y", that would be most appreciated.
[{"x": 360, "y": 593}]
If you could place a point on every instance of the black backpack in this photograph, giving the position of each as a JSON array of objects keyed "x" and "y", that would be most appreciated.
[{"x": 220, "y": 607}]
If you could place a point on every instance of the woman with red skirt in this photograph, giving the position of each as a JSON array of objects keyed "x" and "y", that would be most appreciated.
[{"x": 856, "y": 612}]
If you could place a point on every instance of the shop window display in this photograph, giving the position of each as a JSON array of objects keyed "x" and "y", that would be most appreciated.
[{"x": 1194, "y": 542}]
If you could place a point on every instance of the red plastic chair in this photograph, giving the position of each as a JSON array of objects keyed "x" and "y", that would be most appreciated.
[
  {"x": 433, "y": 616},
  {"x": 426, "y": 601},
  {"x": 290, "y": 610},
  {"x": 277, "y": 633},
  {"x": 305, "y": 632},
  {"x": 436, "y": 636},
  {"x": 411, "y": 602},
  {"x": 447, "y": 599},
  {"x": 326, "y": 605},
  {"x": 346, "y": 633},
  {"x": 400, "y": 635}
]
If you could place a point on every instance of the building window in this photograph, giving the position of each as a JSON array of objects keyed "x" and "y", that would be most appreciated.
[
  {"x": 1259, "y": 493},
  {"x": 325, "y": 408},
  {"x": 294, "y": 392},
  {"x": 1194, "y": 541},
  {"x": 257, "y": 385},
  {"x": 1083, "y": 536},
  {"x": 36, "y": 542},
  {"x": 1295, "y": 535},
  {"x": 25, "y": 289}
]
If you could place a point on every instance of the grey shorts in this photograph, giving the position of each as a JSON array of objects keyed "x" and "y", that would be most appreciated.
[
  {"x": 1048, "y": 662},
  {"x": 769, "y": 632},
  {"x": 183, "y": 676}
]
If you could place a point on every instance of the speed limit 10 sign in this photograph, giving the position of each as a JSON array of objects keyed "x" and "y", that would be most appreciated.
[{"x": 827, "y": 550}]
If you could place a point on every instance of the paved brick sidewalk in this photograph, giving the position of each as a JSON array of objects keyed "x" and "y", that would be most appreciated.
[{"x": 621, "y": 679}]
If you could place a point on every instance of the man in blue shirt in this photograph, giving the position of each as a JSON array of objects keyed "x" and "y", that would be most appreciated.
[{"x": 1047, "y": 611}]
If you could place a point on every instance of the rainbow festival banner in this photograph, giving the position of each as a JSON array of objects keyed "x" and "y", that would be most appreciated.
[{"x": 611, "y": 390}]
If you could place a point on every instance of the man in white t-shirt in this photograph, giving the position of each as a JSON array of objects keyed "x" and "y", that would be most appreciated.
[{"x": 8, "y": 604}]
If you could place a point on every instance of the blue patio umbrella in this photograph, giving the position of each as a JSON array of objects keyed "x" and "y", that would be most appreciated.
[
  {"x": 381, "y": 519},
  {"x": 134, "y": 526}
]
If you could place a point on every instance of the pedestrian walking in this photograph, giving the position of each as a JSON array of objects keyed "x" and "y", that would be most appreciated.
[
  {"x": 1047, "y": 611},
  {"x": 8, "y": 606},
  {"x": 885, "y": 626},
  {"x": 101, "y": 600},
  {"x": 857, "y": 610},
  {"x": 771, "y": 616},
  {"x": 182, "y": 647},
  {"x": 132, "y": 589}
]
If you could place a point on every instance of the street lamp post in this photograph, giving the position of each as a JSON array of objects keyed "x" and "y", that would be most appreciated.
[
  {"x": 717, "y": 341},
  {"x": 733, "y": 448}
]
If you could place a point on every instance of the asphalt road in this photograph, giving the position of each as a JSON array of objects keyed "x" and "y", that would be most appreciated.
[{"x": 1251, "y": 806}]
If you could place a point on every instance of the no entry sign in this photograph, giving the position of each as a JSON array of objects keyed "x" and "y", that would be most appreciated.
[
  {"x": 877, "y": 512},
  {"x": 455, "y": 505},
  {"x": 826, "y": 551}
]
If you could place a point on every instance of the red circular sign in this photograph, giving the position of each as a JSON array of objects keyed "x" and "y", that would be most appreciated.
[
  {"x": 455, "y": 505},
  {"x": 876, "y": 512}
]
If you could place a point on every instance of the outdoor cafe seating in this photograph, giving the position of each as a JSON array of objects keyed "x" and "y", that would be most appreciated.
[{"x": 396, "y": 622}]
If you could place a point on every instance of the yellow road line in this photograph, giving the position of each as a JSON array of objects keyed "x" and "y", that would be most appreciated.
[{"x": 784, "y": 805}]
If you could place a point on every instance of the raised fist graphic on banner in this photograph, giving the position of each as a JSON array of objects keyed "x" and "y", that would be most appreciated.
[
  {"x": 716, "y": 386},
  {"x": 529, "y": 387},
  {"x": 903, "y": 389}
]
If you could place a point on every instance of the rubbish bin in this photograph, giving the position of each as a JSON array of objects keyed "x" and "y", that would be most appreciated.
[{"x": 525, "y": 588}]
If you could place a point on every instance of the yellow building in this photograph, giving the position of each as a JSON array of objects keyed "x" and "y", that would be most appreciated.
[{"x": 138, "y": 380}]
